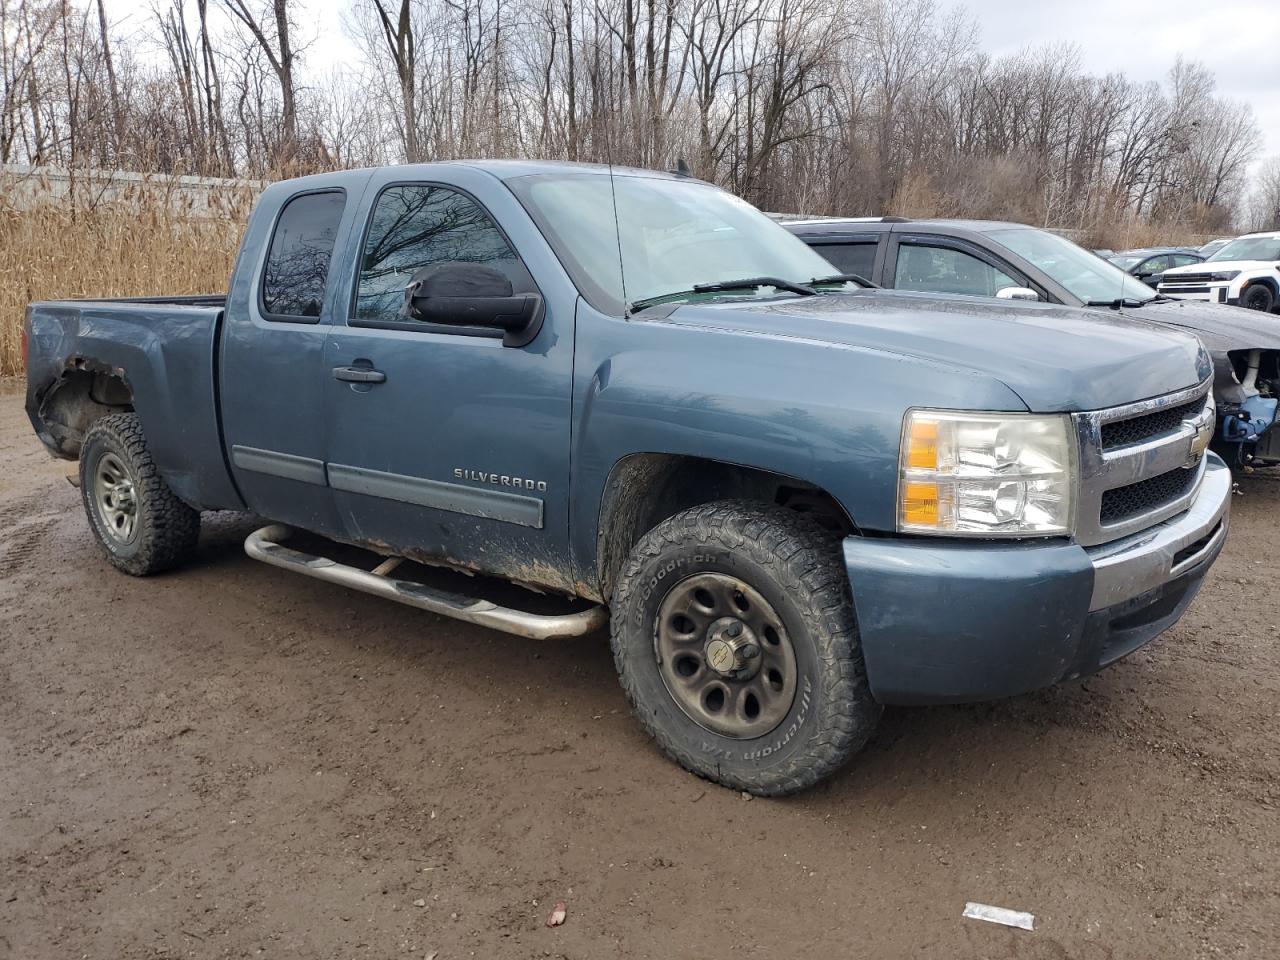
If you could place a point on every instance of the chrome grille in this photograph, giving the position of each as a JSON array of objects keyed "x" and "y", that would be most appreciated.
[
  {"x": 1121, "y": 503},
  {"x": 1136, "y": 463},
  {"x": 1122, "y": 433}
]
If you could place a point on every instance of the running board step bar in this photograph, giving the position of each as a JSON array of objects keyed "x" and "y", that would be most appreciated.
[{"x": 265, "y": 545}]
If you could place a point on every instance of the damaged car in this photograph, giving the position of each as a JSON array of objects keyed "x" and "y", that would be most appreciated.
[{"x": 1010, "y": 261}]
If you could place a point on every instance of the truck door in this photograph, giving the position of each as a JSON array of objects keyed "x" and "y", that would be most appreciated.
[
  {"x": 444, "y": 443},
  {"x": 272, "y": 371}
]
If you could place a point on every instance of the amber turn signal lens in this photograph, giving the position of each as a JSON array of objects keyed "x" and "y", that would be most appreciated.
[
  {"x": 922, "y": 445},
  {"x": 920, "y": 504}
]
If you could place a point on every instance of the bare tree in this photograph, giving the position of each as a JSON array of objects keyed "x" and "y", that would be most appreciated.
[
  {"x": 842, "y": 106},
  {"x": 400, "y": 45},
  {"x": 270, "y": 29},
  {"x": 1264, "y": 203}
]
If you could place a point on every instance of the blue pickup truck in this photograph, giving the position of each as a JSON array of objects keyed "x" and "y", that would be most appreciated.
[{"x": 794, "y": 499}]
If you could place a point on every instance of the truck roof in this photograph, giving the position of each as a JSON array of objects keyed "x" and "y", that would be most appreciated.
[
  {"x": 509, "y": 169},
  {"x": 835, "y": 222},
  {"x": 501, "y": 169}
]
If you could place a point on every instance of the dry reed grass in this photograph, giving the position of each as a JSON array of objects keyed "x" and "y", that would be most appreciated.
[
  {"x": 1135, "y": 234},
  {"x": 1000, "y": 190},
  {"x": 143, "y": 242}
]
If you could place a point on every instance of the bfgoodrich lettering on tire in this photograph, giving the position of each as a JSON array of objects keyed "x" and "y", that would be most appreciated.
[
  {"x": 143, "y": 527},
  {"x": 735, "y": 641}
]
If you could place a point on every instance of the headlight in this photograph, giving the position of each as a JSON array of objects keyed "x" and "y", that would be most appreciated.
[
  {"x": 985, "y": 474},
  {"x": 1224, "y": 275}
]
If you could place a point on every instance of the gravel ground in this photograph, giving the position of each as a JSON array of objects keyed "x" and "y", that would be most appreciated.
[{"x": 234, "y": 761}]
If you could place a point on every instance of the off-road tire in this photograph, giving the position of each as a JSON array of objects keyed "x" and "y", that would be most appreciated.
[
  {"x": 166, "y": 528},
  {"x": 796, "y": 566},
  {"x": 1258, "y": 296}
]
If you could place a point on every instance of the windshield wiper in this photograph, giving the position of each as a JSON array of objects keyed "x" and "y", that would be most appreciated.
[
  {"x": 751, "y": 282},
  {"x": 748, "y": 283},
  {"x": 1118, "y": 303},
  {"x": 845, "y": 278}
]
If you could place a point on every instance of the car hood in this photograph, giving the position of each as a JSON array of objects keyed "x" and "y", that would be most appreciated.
[
  {"x": 1219, "y": 327},
  {"x": 1055, "y": 358},
  {"x": 1219, "y": 266}
]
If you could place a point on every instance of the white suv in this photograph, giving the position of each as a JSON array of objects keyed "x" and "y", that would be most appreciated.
[{"x": 1244, "y": 273}]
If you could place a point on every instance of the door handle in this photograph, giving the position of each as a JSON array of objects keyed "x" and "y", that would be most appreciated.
[{"x": 359, "y": 375}]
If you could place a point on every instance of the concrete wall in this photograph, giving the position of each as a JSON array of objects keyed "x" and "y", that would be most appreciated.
[{"x": 23, "y": 187}]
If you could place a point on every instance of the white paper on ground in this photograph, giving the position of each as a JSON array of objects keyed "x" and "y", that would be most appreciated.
[{"x": 1010, "y": 918}]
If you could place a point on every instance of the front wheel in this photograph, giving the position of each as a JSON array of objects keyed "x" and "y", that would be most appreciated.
[
  {"x": 735, "y": 641},
  {"x": 1258, "y": 296},
  {"x": 140, "y": 523}
]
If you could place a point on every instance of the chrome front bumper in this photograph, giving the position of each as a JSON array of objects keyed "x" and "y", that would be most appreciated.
[{"x": 1129, "y": 567}]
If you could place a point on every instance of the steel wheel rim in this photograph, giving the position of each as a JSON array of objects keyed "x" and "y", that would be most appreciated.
[
  {"x": 115, "y": 499},
  {"x": 739, "y": 696}
]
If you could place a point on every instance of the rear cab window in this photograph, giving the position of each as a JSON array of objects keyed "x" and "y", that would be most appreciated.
[{"x": 296, "y": 273}]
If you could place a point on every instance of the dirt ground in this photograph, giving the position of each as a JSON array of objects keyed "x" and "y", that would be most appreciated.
[{"x": 235, "y": 761}]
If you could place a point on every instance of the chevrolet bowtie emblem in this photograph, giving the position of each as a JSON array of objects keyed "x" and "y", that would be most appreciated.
[{"x": 1203, "y": 425}]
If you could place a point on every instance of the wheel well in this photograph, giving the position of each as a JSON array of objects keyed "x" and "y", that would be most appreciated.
[
  {"x": 645, "y": 489},
  {"x": 78, "y": 399}
]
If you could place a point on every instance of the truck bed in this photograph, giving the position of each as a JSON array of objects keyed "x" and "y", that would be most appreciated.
[
  {"x": 188, "y": 300},
  {"x": 165, "y": 349}
]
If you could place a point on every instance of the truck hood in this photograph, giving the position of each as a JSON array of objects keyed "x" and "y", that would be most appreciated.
[
  {"x": 1219, "y": 266},
  {"x": 1055, "y": 358},
  {"x": 1219, "y": 327}
]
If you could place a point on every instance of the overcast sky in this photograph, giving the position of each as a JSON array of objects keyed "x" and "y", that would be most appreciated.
[{"x": 1239, "y": 40}]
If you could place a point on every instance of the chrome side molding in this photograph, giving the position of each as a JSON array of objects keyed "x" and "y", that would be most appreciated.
[{"x": 266, "y": 545}]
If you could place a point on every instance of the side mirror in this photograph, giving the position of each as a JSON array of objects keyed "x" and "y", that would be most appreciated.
[
  {"x": 459, "y": 294},
  {"x": 1017, "y": 293}
]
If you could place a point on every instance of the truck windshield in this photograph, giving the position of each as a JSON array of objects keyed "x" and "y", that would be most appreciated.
[
  {"x": 665, "y": 238},
  {"x": 1249, "y": 248},
  {"x": 1086, "y": 276}
]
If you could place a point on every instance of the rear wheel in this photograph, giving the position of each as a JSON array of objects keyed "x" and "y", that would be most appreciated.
[
  {"x": 1258, "y": 296},
  {"x": 735, "y": 641},
  {"x": 140, "y": 523}
]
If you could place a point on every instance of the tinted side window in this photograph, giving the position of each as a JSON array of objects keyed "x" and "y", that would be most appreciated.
[
  {"x": 859, "y": 258},
  {"x": 417, "y": 225},
  {"x": 1183, "y": 259},
  {"x": 298, "y": 259},
  {"x": 944, "y": 270}
]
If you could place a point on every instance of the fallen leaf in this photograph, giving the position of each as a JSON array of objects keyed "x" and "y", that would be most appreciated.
[{"x": 557, "y": 914}]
